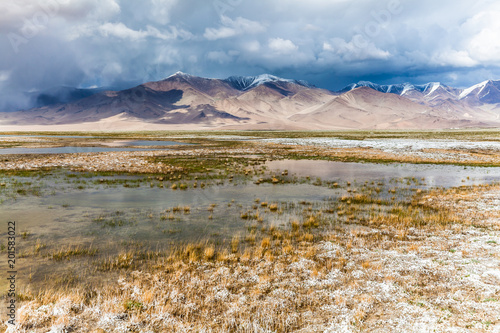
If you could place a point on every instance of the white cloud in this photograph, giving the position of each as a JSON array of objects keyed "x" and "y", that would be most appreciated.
[
  {"x": 453, "y": 58},
  {"x": 483, "y": 44},
  {"x": 222, "y": 32},
  {"x": 231, "y": 28},
  {"x": 357, "y": 49},
  {"x": 167, "y": 56},
  {"x": 252, "y": 46},
  {"x": 120, "y": 30},
  {"x": 319, "y": 40},
  {"x": 221, "y": 56},
  {"x": 282, "y": 46},
  {"x": 4, "y": 76},
  {"x": 328, "y": 47},
  {"x": 161, "y": 10},
  {"x": 112, "y": 69},
  {"x": 311, "y": 27},
  {"x": 14, "y": 14}
]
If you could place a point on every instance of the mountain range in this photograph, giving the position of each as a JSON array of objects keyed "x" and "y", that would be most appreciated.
[
  {"x": 487, "y": 92},
  {"x": 183, "y": 101}
]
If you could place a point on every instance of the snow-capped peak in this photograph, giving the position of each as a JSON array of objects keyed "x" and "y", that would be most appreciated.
[
  {"x": 368, "y": 84},
  {"x": 264, "y": 78},
  {"x": 432, "y": 87},
  {"x": 469, "y": 90},
  {"x": 407, "y": 87},
  {"x": 243, "y": 82},
  {"x": 179, "y": 73},
  {"x": 248, "y": 82},
  {"x": 398, "y": 89}
]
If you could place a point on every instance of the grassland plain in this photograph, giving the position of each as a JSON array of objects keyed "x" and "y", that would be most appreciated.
[{"x": 383, "y": 255}]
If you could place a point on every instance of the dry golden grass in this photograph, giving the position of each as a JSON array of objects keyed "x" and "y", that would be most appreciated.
[
  {"x": 317, "y": 273},
  {"x": 209, "y": 253},
  {"x": 266, "y": 243},
  {"x": 272, "y": 268},
  {"x": 235, "y": 244}
]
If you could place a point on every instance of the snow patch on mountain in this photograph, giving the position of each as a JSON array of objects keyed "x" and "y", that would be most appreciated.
[
  {"x": 249, "y": 82},
  {"x": 179, "y": 74},
  {"x": 468, "y": 91},
  {"x": 434, "y": 86},
  {"x": 398, "y": 89},
  {"x": 407, "y": 87}
]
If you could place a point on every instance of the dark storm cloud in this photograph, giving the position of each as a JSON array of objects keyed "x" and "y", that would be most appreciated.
[{"x": 330, "y": 43}]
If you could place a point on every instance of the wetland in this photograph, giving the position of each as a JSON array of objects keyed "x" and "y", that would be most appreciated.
[{"x": 285, "y": 231}]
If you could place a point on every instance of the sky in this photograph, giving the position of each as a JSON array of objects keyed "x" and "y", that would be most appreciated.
[{"x": 329, "y": 43}]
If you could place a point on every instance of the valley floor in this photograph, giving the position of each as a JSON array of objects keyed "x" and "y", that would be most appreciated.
[{"x": 391, "y": 255}]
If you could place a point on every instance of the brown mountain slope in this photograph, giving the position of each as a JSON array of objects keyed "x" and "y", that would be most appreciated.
[
  {"x": 183, "y": 100},
  {"x": 367, "y": 108}
]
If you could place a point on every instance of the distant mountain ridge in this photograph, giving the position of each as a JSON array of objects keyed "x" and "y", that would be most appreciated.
[
  {"x": 399, "y": 89},
  {"x": 248, "y": 82},
  {"x": 266, "y": 102},
  {"x": 487, "y": 92}
]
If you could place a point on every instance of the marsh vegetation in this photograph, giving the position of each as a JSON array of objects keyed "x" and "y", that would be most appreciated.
[{"x": 238, "y": 235}]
